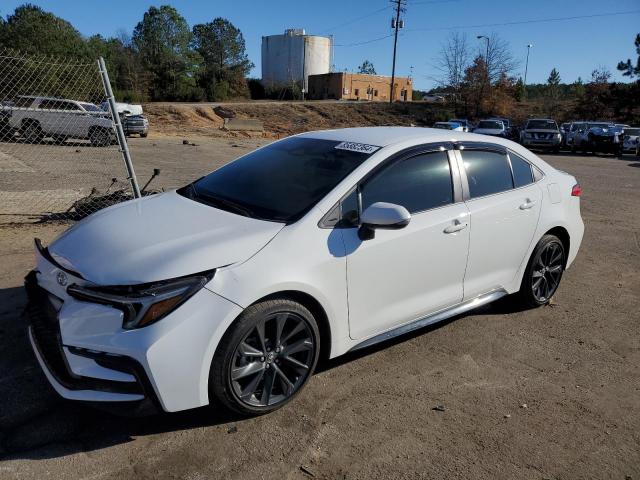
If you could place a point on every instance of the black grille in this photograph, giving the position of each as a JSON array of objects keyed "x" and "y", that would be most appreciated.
[{"x": 43, "y": 318}]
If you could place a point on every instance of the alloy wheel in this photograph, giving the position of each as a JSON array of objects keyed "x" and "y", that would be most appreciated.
[
  {"x": 547, "y": 271},
  {"x": 272, "y": 360}
]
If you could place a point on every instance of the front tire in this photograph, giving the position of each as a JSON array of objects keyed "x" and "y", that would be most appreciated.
[
  {"x": 543, "y": 273},
  {"x": 265, "y": 358}
]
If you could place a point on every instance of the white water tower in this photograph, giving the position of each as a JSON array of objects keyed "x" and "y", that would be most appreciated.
[{"x": 292, "y": 57}]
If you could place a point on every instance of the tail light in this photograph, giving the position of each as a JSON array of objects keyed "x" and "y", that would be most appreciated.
[{"x": 576, "y": 191}]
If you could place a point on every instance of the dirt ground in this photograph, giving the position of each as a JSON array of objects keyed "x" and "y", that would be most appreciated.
[{"x": 552, "y": 393}]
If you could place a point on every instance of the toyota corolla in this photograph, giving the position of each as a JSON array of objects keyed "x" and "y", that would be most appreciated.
[{"x": 230, "y": 289}]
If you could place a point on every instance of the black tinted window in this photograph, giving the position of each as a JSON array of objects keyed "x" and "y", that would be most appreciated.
[
  {"x": 417, "y": 183},
  {"x": 279, "y": 182},
  {"x": 521, "y": 171},
  {"x": 487, "y": 172}
]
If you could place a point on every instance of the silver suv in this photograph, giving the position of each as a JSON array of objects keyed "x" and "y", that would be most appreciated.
[
  {"x": 541, "y": 133},
  {"x": 35, "y": 118}
]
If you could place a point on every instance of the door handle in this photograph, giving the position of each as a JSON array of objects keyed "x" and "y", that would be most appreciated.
[
  {"x": 528, "y": 204},
  {"x": 456, "y": 227}
]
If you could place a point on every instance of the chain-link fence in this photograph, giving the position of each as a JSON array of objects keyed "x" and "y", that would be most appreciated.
[{"x": 60, "y": 156}]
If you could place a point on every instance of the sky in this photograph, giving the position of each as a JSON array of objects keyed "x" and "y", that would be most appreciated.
[{"x": 574, "y": 46}]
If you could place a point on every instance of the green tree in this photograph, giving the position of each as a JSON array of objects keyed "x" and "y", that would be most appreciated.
[
  {"x": 31, "y": 30},
  {"x": 367, "y": 68},
  {"x": 162, "y": 40},
  {"x": 578, "y": 88},
  {"x": 553, "y": 84},
  {"x": 627, "y": 68},
  {"x": 224, "y": 59},
  {"x": 520, "y": 91}
]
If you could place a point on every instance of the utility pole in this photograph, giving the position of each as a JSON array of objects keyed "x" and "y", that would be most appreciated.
[
  {"x": 526, "y": 68},
  {"x": 395, "y": 24}
]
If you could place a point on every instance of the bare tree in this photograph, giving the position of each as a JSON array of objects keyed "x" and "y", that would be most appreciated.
[
  {"x": 453, "y": 60},
  {"x": 498, "y": 57}
]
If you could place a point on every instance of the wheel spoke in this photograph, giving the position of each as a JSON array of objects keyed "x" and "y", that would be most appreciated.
[
  {"x": 288, "y": 387},
  {"x": 537, "y": 274},
  {"x": 260, "y": 330},
  {"x": 555, "y": 269},
  {"x": 295, "y": 362},
  {"x": 267, "y": 388},
  {"x": 537, "y": 283},
  {"x": 281, "y": 319},
  {"x": 555, "y": 258},
  {"x": 300, "y": 345},
  {"x": 297, "y": 329},
  {"x": 250, "y": 389},
  {"x": 246, "y": 370},
  {"x": 247, "y": 350}
]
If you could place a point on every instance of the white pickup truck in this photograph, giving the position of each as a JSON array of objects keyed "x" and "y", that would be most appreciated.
[{"x": 35, "y": 118}]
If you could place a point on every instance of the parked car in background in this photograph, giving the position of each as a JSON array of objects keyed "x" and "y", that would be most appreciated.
[
  {"x": 135, "y": 124},
  {"x": 433, "y": 98},
  {"x": 310, "y": 247},
  {"x": 494, "y": 128},
  {"x": 597, "y": 137},
  {"x": 6, "y": 132},
  {"x": 573, "y": 129},
  {"x": 564, "y": 131},
  {"x": 449, "y": 126},
  {"x": 510, "y": 131},
  {"x": 631, "y": 139},
  {"x": 37, "y": 118},
  {"x": 466, "y": 124},
  {"x": 541, "y": 133}
]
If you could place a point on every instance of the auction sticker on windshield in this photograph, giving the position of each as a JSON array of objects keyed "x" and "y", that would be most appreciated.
[{"x": 357, "y": 147}]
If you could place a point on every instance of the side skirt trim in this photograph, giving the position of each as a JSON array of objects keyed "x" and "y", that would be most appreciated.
[{"x": 433, "y": 318}]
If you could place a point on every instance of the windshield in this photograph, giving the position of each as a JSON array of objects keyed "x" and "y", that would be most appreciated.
[
  {"x": 90, "y": 107},
  {"x": 600, "y": 125},
  {"x": 490, "y": 125},
  {"x": 542, "y": 125},
  {"x": 281, "y": 181}
]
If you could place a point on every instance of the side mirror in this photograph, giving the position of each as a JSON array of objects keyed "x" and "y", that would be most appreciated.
[{"x": 383, "y": 215}]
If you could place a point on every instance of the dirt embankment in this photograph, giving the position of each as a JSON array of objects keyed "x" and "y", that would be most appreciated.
[{"x": 286, "y": 118}]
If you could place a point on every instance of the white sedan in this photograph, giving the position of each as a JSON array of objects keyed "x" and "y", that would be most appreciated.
[{"x": 230, "y": 289}]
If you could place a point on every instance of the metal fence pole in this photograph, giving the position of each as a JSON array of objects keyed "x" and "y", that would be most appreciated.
[{"x": 122, "y": 140}]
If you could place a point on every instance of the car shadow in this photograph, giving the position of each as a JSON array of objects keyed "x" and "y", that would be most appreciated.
[
  {"x": 636, "y": 165},
  {"x": 35, "y": 423}
]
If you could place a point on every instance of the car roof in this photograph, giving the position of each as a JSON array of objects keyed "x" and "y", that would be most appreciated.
[{"x": 385, "y": 136}]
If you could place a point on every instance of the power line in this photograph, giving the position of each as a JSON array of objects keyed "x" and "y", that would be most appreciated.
[
  {"x": 363, "y": 42},
  {"x": 354, "y": 20},
  {"x": 522, "y": 22},
  {"x": 519, "y": 22}
]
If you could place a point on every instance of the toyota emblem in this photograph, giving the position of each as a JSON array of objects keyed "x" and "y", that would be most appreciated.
[{"x": 61, "y": 277}]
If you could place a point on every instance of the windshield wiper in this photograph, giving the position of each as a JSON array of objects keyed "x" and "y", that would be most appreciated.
[{"x": 219, "y": 202}]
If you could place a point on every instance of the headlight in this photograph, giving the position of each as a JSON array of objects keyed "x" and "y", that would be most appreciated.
[
  {"x": 558, "y": 136},
  {"x": 147, "y": 303}
]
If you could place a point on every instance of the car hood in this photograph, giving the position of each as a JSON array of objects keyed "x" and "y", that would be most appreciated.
[
  {"x": 488, "y": 131},
  {"x": 540, "y": 130},
  {"x": 156, "y": 238}
]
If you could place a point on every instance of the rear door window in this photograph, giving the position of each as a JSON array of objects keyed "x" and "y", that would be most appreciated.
[
  {"x": 522, "y": 174},
  {"x": 488, "y": 172}
]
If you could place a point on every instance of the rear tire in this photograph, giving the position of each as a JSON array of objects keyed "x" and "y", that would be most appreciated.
[
  {"x": 543, "y": 274},
  {"x": 265, "y": 358},
  {"x": 32, "y": 132},
  {"x": 100, "y": 137}
]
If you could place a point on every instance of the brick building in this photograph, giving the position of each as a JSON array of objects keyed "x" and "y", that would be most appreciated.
[{"x": 358, "y": 86}]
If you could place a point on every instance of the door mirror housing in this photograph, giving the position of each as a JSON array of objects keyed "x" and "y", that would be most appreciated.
[{"x": 382, "y": 215}]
